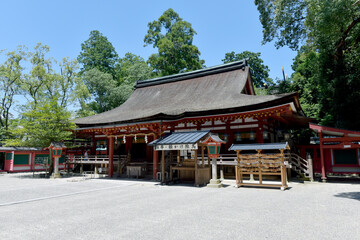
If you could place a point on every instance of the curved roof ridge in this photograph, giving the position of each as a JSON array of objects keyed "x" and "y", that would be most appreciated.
[{"x": 193, "y": 74}]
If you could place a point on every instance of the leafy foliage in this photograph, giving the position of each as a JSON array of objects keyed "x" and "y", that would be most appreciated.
[
  {"x": 132, "y": 68},
  {"x": 97, "y": 52},
  {"x": 104, "y": 90},
  {"x": 42, "y": 124},
  {"x": 283, "y": 20},
  {"x": 305, "y": 81},
  {"x": 260, "y": 72},
  {"x": 327, "y": 69},
  {"x": 108, "y": 92},
  {"x": 173, "y": 38},
  {"x": 10, "y": 78},
  {"x": 45, "y": 116}
]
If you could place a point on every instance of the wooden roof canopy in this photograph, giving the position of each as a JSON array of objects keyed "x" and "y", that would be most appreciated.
[
  {"x": 260, "y": 146},
  {"x": 222, "y": 89},
  {"x": 177, "y": 140}
]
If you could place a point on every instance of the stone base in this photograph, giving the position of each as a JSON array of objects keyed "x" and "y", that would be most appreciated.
[
  {"x": 56, "y": 175},
  {"x": 215, "y": 183}
]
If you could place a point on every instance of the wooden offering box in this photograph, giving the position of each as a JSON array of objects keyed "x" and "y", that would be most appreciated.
[{"x": 260, "y": 163}]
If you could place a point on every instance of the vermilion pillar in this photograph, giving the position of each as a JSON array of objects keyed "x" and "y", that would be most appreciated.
[
  {"x": 259, "y": 133},
  {"x": 323, "y": 173},
  {"x": 155, "y": 162},
  {"x": 93, "y": 148},
  {"x": 111, "y": 156}
]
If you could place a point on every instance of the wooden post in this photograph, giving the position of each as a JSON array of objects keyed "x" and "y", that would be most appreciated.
[
  {"x": 178, "y": 157},
  {"x": 162, "y": 166},
  {"x": 209, "y": 164},
  {"x": 155, "y": 161},
  {"x": 238, "y": 174},
  {"x": 111, "y": 157},
  {"x": 259, "y": 159},
  {"x": 323, "y": 172},
  {"x": 259, "y": 132},
  {"x": 283, "y": 171},
  {"x": 93, "y": 149},
  {"x": 202, "y": 157},
  {"x": 196, "y": 168}
]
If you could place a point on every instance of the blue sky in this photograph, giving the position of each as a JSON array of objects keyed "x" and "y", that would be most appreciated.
[{"x": 221, "y": 26}]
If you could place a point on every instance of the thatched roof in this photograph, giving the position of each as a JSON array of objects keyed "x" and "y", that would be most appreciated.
[{"x": 221, "y": 89}]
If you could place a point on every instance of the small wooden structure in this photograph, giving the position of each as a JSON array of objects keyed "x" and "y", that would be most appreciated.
[
  {"x": 260, "y": 163},
  {"x": 188, "y": 168}
]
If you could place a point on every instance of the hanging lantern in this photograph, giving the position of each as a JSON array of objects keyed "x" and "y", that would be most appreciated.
[
  {"x": 146, "y": 140},
  {"x": 286, "y": 135},
  {"x": 226, "y": 137},
  {"x": 238, "y": 137},
  {"x": 116, "y": 142},
  {"x": 56, "y": 148},
  {"x": 213, "y": 143},
  {"x": 265, "y": 134},
  {"x": 252, "y": 135},
  {"x": 135, "y": 138},
  {"x": 124, "y": 139}
]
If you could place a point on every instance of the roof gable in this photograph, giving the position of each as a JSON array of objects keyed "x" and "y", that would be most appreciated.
[{"x": 205, "y": 91}]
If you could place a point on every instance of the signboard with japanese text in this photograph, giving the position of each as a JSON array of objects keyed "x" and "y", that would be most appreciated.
[{"x": 176, "y": 147}]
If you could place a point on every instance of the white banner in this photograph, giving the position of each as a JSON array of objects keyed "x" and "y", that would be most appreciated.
[{"x": 177, "y": 147}]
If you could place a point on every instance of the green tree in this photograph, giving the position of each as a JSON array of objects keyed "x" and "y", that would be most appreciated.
[
  {"x": 10, "y": 79},
  {"x": 260, "y": 72},
  {"x": 305, "y": 81},
  {"x": 283, "y": 21},
  {"x": 105, "y": 93},
  {"x": 97, "y": 52},
  {"x": 49, "y": 93},
  {"x": 330, "y": 29},
  {"x": 108, "y": 92},
  {"x": 173, "y": 37},
  {"x": 42, "y": 124},
  {"x": 132, "y": 68},
  {"x": 33, "y": 83}
]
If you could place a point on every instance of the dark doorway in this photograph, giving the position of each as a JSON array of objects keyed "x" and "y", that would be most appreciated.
[
  {"x": 2, "y": 161},
  {"x": 138, "y": 152}
]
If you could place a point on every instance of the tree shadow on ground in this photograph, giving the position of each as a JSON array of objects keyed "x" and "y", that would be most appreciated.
[{"x": 350, "y": 195}]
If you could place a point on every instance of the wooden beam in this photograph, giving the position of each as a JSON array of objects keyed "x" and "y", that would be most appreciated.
[
  {"x": 111, "y": 156},
  {"x": 202, "y": 156},
  {"x": 196, "y": 168},
  {"x": 163, "y": 166}
]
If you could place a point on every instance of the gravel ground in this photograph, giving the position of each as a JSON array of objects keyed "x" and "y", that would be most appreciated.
[{"x": 76, "y": 208}]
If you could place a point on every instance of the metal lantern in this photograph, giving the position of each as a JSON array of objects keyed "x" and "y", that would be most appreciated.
[
  {"x": 238, "y": 136},
  {"x": 265, "y": 134},
  {"x": 286, "y": 135},
  {"x": 252, "y": 135},
  {"x": 226, "y": 137},
  {"x": 213, "y": 143},
  {"x": 56, "y": 148}
]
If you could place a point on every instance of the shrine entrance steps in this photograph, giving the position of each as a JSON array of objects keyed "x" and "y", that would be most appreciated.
[{"x": 303, "y": 167}]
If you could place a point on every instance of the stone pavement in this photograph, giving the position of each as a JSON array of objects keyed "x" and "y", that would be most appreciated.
[{"x": 34, "y": 208}]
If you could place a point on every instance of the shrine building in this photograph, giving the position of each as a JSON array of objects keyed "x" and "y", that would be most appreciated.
[{"x": 219, "y": 99}]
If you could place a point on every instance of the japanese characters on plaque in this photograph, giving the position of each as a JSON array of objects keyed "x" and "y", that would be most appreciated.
[{"x": 177, "y": 147}]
